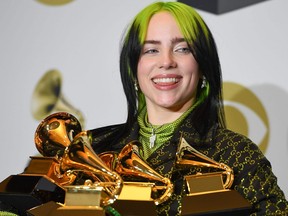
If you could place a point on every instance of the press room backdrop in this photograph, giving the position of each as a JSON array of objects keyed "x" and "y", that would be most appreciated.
[{"x": 70, "y": 49}]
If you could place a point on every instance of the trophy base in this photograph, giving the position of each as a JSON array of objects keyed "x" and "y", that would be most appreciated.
[
  {"x": 218, "y": 203},
  {"x": 135, "y": 207},
  {"x": 27, "y": 191},
  {"x": 135, "y": 199},
  {"x": 49, "y": 167},
  {"x": 57, "y": 209},
  {"x": 41, "y": 165}
]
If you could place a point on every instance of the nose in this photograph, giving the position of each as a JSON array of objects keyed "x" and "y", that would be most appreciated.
[{"x": 167, "y": 60}]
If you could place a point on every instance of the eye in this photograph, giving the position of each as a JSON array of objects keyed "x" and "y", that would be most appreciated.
[
  {"x": 150, "y": 51},
  {"x": 183, "y": 50}
]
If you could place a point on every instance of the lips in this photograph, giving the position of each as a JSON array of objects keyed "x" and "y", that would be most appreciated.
[{"x": 166, "y": 80}]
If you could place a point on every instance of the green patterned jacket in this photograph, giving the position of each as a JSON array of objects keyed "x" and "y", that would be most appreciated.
[{"x": 254, "y": 178}]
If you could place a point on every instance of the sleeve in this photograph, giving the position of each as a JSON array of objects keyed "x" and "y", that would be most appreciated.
[
  {"x": 7, "y": 210},
  {"x": 257, "y": 183}
]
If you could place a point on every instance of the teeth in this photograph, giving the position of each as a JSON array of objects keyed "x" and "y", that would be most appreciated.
[{"x": 165, "y": 80}]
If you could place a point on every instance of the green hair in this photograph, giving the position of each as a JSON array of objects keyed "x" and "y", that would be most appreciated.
[
  {"x": 201, "y": 42},
  {"x": 185, "y": 16}
]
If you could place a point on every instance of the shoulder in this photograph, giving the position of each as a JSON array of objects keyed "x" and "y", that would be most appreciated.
[
  {"x": 106, "y": 129},
  {"x": 103, "y": 138},
  {"x": 239, "y": 152},
  {"x": 236, "y": 150},
  {"x": 232, "y": 139},
  {"x": 253, "y": 175}
]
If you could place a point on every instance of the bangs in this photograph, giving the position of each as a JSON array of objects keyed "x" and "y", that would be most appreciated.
[{"x": 188, "y": 20}]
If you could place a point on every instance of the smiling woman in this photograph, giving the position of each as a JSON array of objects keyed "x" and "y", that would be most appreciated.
[
  {"x": 172, "y": 79},
  {"x": 171, "y": 76}
]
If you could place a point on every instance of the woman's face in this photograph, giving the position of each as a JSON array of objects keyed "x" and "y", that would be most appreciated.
[{"x": 167, "y": 72}]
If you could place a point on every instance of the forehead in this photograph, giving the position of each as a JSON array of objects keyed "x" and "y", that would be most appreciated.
[{"x": 162, "y": 25}]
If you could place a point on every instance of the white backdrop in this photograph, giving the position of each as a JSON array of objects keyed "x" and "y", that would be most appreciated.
[{"x": 81, "y": 40}]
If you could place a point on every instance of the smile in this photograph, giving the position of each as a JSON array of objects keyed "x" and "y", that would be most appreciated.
[{"x": 165, "y": 80}]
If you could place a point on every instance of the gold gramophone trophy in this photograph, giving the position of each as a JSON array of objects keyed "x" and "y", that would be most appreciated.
[
  {"x": 67, "y": 154},
  {"x": 143, "y": 188},
  {"x": 208, "y": 193},
  {"x": 37, "y": 184},
  {"x": 48, "y": 98}
]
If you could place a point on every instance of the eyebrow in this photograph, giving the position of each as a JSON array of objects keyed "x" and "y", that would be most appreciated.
[{"x": 173, "y": 41}]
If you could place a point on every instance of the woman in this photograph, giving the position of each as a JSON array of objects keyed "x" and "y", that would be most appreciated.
[{"x": 171, "y": 76}]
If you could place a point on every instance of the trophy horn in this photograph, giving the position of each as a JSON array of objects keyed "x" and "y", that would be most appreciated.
[
  {"x": 47, "y": 98},
  {"x": 129, "y": 165},
  {"x": 55, "y": 133},
  {"x": 79, "y": 156},
  {"x": 188, "y": 156},
  {"x": 52, "y": 136}
]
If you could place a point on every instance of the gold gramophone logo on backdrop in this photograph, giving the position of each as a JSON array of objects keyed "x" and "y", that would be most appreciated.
[
  {"x": 239, "y": 100},
  {"x": 54, "y": 2},
  {"x": 48, "y": 98}
]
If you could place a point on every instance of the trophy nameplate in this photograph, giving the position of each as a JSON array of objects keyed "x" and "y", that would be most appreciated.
[
  {"x": 83, "y": 196},
  {"x": 206, "y": 182},
  {"x": 136, "y": 191},
  {"x": 135, "y": 199},
  {"x": 79, "y": 200}
]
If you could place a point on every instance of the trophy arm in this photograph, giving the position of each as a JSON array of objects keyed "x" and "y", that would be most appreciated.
[
  {"x": 130, "y": 164},
  {"x": 188, "y": 156},
  {"x": 80, "y": 156}
]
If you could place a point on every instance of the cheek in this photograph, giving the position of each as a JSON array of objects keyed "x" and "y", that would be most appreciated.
[
  {"x": 143, "y": 69},
  {"x": 141, "y": 73},
  {"x": 142, "y": 66},
  {"x": 193, "y": 74},
  {"x": 190, "y": 69}
]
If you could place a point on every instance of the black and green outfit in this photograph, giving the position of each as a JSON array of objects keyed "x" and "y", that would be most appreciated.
[{"x": 254, "y": 178}]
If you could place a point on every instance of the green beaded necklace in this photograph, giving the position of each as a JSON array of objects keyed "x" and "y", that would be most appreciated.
[{"x": 152, "y": 136}]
